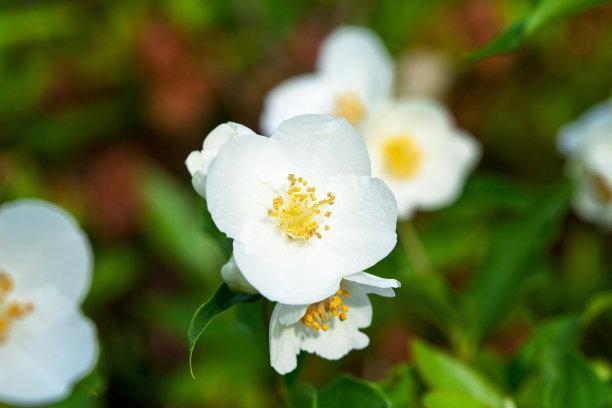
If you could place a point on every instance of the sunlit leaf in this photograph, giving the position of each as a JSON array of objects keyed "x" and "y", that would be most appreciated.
[
  {"x": 444, "y": 373},
  {"x": 576, "y": 385},
  {"x": 446, "y": 399},
  {"x": 348, "y": 391},
  {"x": 222, "y": 300},
  {"x": 542, "y": 13}
]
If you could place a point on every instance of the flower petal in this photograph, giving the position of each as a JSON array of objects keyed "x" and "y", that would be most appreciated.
[
  {"x": 319, "y": 147},
  {"x": 42, "y": 244},
  {"x": 290, "y": 314},
  {"x": 47, "y": 352},
  {"x": 373, "y": 284},
  {"x": 362, "y": 223},
  {"x": 234, "y": 278},
  {"x": 291, "y": 271},
  {"x": 295, "y": 96},
  {"x": 591, "y": 125},
  {"x": 284, "y": 344},
  {"x": 234, "y": 190},
  {"x": 356, "y": 57}
]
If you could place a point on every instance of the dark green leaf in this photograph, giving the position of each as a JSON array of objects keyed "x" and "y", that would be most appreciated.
[
  {"x": 401, "y": 387},
  {"x": 301, "y": 395},
  {"x": 444, "y": 373},
  {"x": 347, "y": 391},
  {"x": 514, "y": 258},
  {"x": 222, "y": 300}
]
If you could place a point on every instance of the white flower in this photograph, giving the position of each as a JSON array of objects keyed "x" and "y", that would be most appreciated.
[
  {"x": 354, "y": 73},
  {"x": 198, "y": 161},
  {"x": 46, "y": 344},
  {"x": 329, "y": 328},
  {"x": 235, "y": 279},
  {"x": 419, "y": 152},
  {"x": 587, "y": 143},
  {"x": 301, "y": 206}
]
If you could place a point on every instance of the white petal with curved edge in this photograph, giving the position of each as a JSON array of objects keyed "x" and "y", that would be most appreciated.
[
  {"x": 284, "y": 344},
  {"x": 295, "y": 96},
  {"x": 356, "y": 57},
  {"x": 234, "y": 190},
  {"x": 362, "y": 222},
  {"x": 41, "y": 244},
  {"x": 291, "y": 271},
  {"x": 47, "y": 352},
  {"x": 290, "y": 314},
  {"x": 235, "y": 279},
  {"x": 319, "y": 147},
  {"x": 373, "y": 284},
  {"x": 342, "y": 336}
]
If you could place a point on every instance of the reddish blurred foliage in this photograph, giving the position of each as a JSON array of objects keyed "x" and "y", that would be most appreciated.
[
  {"x": 390, "y": 350},
  {"x": 509, "y": 339},
  {"x": 113, "y": 177},
  {"x": 178, "y": 92}
]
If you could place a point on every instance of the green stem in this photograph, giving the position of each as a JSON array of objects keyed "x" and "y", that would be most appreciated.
[{"x": 414, "y": 248}]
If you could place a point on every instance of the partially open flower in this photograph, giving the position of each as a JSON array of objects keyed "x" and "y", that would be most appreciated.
[
  {"x": 354, "y": 74},
  {"x": 420, "y": 154},
  {"x": 301, "y": 206},
  {"x": 46, "y": 344},
  {"x": 198, "y": 161},
  {"x": 329, "y": 327},
  {"x": 587, "y": 143}
]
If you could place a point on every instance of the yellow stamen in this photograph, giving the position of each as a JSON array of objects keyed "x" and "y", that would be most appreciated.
[
  {"x": 300, "y": 218},
  {"x": 318, "y": 313},
  {"x": 10, "y": 311},
  {"x": 402, "y": 156},
  {"x": 604, "y": 189}
]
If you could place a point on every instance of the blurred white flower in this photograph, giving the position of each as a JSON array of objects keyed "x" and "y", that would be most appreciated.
[
  {"x": 330, "y": 327},
  {"x": 587, "y": 143},
  {"x": 301, "y": 206},
  {"x": 420, "y": 154},
  {"x": 198, "y": 161},
  {"x": 354, "y": 73},
  {"x": 46, "y": 343}
]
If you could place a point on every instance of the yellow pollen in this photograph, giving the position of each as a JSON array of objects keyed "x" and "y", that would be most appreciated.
[
  {"x": 298, "y": 212},
  {"x": 604, "y": 189},
  {"x": 349, "y": 106},
  {"x": 10, "y": 311},
  {"x": 402, "y": 157},
  {"x": 318, "y": 313}
]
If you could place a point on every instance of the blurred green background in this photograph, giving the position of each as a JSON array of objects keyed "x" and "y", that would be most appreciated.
[{"x": 101, "y": 101}]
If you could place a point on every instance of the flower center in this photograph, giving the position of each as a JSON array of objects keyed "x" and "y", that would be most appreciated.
[
  {"x": 402, "y": 157},
  {"x": 10, "y": 311},
  {"x": 603, "y": 188},
  {"x": 348, "y": 105},
  {"x": 298, "y": 212},
  {"x": 318, "y": 314}
]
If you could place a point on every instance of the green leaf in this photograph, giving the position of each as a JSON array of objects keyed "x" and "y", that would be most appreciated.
[
  {"x": 541, "y": 13},
  {"x": 446, "y": 399},
  {"x": 401, "y": 387},
  {"x": 301, "y": 395},
  {"x": 222, "y": 300},
  {"x": 348, "y": 391},
  {"x": 444, "y": 373},
  {"x": 515, "y": 257},
  {"x": 576, "y": 385}
]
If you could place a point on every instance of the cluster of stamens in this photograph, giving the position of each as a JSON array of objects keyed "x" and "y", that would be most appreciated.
[
  {"x": 10, "y": 311},
  {"x": 348, "y": 105},
  {"x": 318, "y": 314},
  {"x": 299, "y": 213}
]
